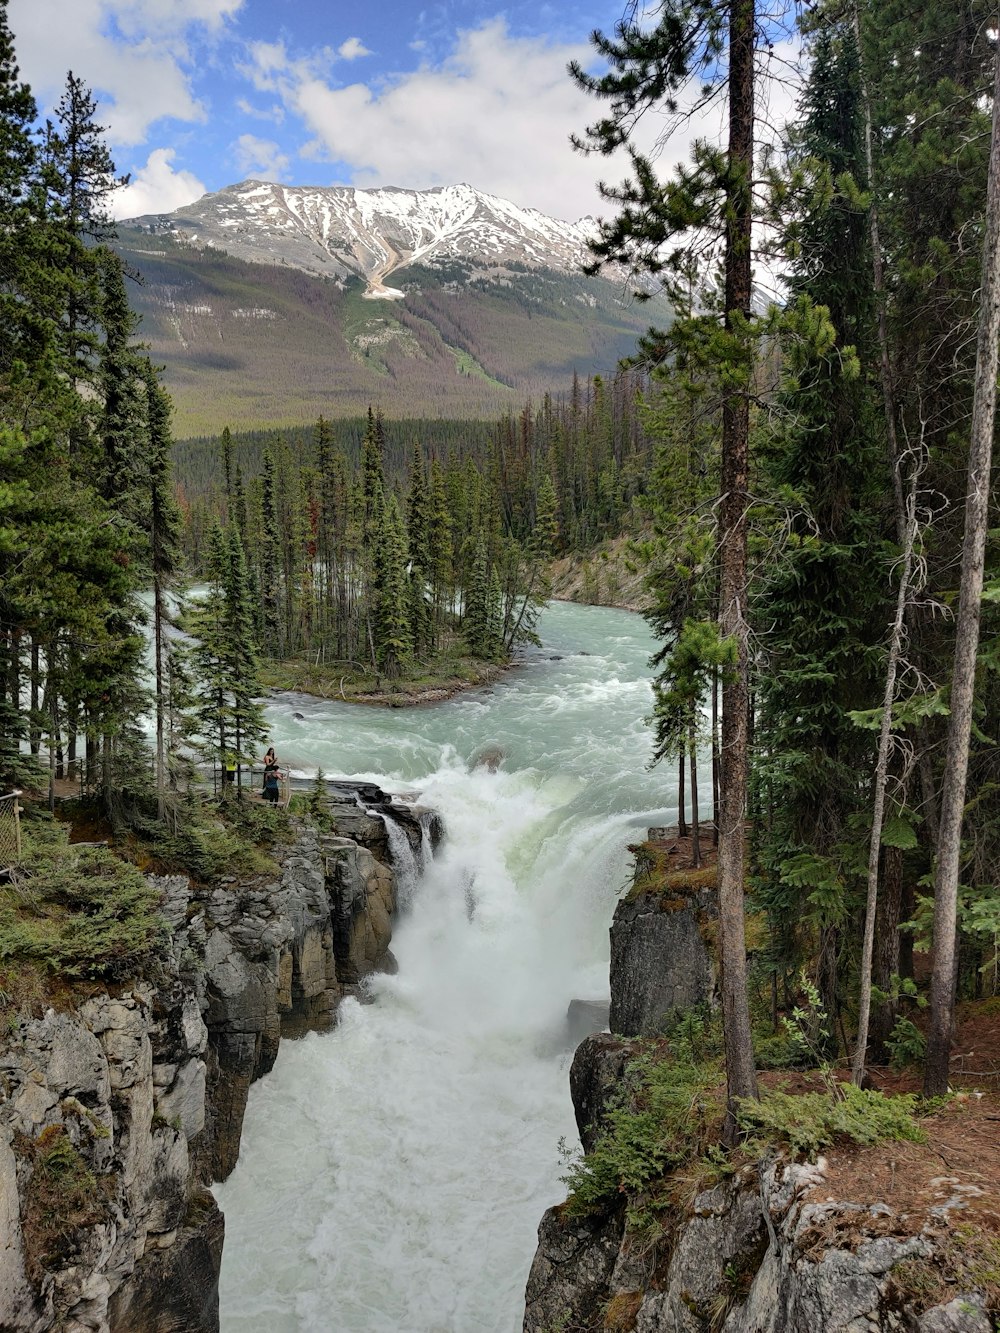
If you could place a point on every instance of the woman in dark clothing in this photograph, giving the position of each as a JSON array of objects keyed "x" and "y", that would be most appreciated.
[{"x": 271, "y": 776}]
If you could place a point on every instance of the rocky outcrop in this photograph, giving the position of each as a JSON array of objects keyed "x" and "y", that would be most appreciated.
[
  {"x": 661, "y": 963},
  {"x": 597, "y": 1071},
  {"x": 115, "y": 1116},
  {"x": 571, "y": 1277},
  {"x": 768, "y": 1250},
  {"x": 744, "y": 1260}
]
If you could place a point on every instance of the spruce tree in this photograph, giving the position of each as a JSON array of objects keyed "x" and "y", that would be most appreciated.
[
  {"x": 418, "y": 548},
  {"x": 393, "y": 642},
  {"x": 476, "y": 620}
]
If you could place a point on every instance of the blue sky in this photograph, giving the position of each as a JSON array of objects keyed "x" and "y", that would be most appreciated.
[{"x": 198, "y": 94}]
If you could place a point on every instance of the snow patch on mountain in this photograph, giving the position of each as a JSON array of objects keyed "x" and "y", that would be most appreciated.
[{"x": 342, "y": 232}]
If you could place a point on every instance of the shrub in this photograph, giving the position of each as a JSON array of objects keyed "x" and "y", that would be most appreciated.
[
  {"x": 810, "y": 1121},
  {"x": 61, "y": 1196},
  {"x": 80, "y": 911},
  {"x": 907, "y": 1044},
  {"x": 666, "y": 1115}
]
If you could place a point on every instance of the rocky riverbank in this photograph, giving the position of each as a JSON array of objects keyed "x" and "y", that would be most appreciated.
[
  {"x": 117, "y": 1114},
  {"x": 837, "y": 1244}
]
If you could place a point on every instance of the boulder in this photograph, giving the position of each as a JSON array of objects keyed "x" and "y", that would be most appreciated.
[{"x": 596, "y": 1072}]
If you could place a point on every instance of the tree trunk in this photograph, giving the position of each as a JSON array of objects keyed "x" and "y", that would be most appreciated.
[
  {"x": 695, "y": 821},
  {"x": 682, "y": 826},
  {"x": 966, "y": 633},
  {"x": 161, "y": 756},
  {"x": 741, "y": 1079},
  {"x": 885, "y": 959},
  {"x": 34, "y": 731},
  {"x": 715, "y": 757},
  {"x": 881, "y": 776}
]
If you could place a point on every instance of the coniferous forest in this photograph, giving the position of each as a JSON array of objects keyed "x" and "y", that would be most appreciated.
[{"x": 804, "y": 481}]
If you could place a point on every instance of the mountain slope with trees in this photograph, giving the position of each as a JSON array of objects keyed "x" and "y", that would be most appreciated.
[{"x": 249, "y": 344}]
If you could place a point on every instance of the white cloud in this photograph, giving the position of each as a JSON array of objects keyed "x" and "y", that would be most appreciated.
[
  {"x": 352, "y": 49},
  {"x": 134, "y": 52},
  {"x": 275, "y": 114},
  {"x": 260, "y": 158},
  {"x": 156, "y": 188},
  {"x": 497, "y": 113}
]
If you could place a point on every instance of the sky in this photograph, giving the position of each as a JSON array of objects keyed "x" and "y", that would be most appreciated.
[{"x": 200, "y": 94}]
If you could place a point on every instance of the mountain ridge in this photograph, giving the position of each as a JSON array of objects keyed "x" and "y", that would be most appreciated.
[
  {"x": 271, "y": 305},
  {"x": 341, "y": 231}
]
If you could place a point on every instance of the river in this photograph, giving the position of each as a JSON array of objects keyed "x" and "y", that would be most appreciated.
[{"x": 393, "y": 1172}]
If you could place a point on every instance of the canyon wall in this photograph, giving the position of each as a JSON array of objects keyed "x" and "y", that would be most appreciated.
[
  {"x": 118, "y": 1113},
  {"x": 770, "y": 1249}
]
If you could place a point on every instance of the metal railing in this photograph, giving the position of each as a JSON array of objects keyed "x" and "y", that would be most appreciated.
[{"x": 10, "y": 831}]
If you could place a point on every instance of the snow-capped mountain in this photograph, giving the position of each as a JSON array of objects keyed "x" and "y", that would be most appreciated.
[{"x": 342, "y": 232}]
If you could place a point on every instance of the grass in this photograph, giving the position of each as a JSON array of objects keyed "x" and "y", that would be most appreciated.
[{"x": 62, "y": 1196}]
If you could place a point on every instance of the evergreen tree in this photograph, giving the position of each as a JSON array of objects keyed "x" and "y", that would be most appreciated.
[
  {"x": 164, "y": 549},
  {"x": 79, "y": 177},
  {"x": 647, "y": 69},
  {"x": 244, "y": 687},
  {"x": 439, "y": 541},
  {"x": 476, "y": 620},
  {"x": 393, "y": 644},
  {"x": 269, "y": 561},
  {"x": 418, "y": 545}
]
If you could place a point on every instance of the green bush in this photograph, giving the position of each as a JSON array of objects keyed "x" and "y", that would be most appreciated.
[
  {"x": 810, "y": 1121},
  {"x": 663, "y": 1117},
  {"x": 907, "y": 1044},
  {"x": 79, "y": 911}
]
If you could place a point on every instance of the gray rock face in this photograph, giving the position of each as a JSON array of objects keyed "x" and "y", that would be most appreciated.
[
  {"x": 150, "y": 1085},
  {"x": 570, "y": 1274},
  {"x": 596, "y": 1072},
  {"x": 660, "y": 963},
  {"x": 741, "y": 1263}
]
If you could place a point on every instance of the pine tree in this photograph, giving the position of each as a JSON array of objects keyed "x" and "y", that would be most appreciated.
[
  {"x": 476, "y": 621},
  {"x": 393, "y": 644},
  {"x": 647, "y": 69},
  {"x": 210, "y": 659},
  {"x": 439, "y": 541},
  {"x": 164, "y": 548},
  {"x": 244, "y": 685},
  {"x": 269, "y": 562},
  {"x": 418, "y": 547},
  {"x": 79, "y": 176}
]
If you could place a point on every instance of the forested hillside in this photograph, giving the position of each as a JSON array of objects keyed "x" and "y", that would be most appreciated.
[{"x": 250, "y": 345}]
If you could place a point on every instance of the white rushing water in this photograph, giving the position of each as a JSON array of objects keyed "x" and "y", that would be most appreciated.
[{"x": 393, "y": 1172}]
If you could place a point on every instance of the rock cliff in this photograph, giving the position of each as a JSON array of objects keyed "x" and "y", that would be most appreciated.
[
  {"x": 770, "y": 1250},
  {"x": 116, "y": 1115}
]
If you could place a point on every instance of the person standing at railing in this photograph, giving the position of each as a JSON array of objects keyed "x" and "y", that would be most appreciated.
[{"x": 272, "y": 776}]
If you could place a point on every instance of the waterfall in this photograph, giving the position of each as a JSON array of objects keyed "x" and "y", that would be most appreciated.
[
  {"x": 411, "y": 1152},
  {"x": 406, "y": 866}
]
